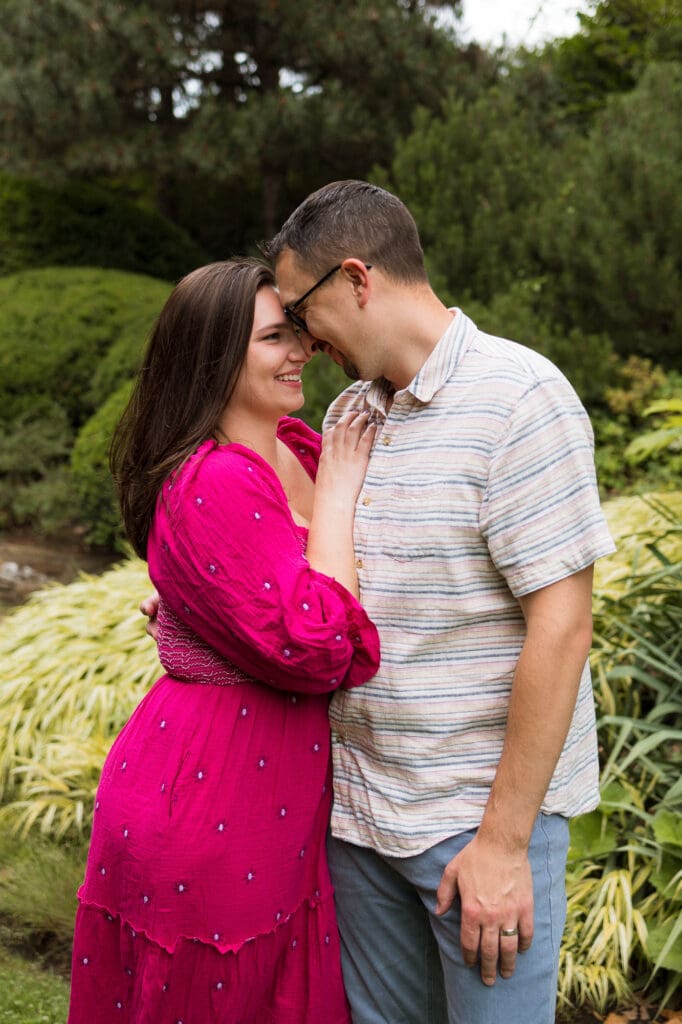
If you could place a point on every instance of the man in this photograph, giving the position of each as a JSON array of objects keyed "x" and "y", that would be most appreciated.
[{"x": 456, "y": 769}]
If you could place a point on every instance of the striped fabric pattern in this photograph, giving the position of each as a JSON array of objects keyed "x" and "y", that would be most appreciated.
[{"x": 480, "y": 489}]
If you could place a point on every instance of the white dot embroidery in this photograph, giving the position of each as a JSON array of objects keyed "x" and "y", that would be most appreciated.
[
  {"x": 256, "y": 515},
  {"x": 282, "y": 812},
  {"x": 211, "y": 567},
  {"x": 302, "y": 852},
  {"x": 199, "y": 501},
  {"x": 294, "y": 699},
  {"x": 219, "y": 985},
  {"x": 124, "y": 766},
  {"x": 102, "y": 871},
  {"x": 327, "y": 939},
  {"x": 278, "y": 915},
  {"x": 109, "y": 917},
  {"x": 286, "y": 652},
  {"x": 133, "y": 933},
  {"x": 163, "y": 787},
  {"x": 119, "y": 1005},
  {"x": 85, "y": 961},
  {"x": 305, "y": 607},
  {"x": 244, "y": 712},
  {"x": 126, "y": 833},
  {"x": 185, "y": 608},
  {"x": 180, "y": 887},
  {"x": 267, "y": 586},
  {"x": 338, "y": 637},
  {"x": 333, "y": 682},
  {"x": 220, "y": 827},
  {"x": 129, "y": 972},
  {"x": 164, "y": 987},
  {"x": 250, "y": 876},
  {"x": 294, "y": 944},
  {"x": 316, "y": 747},
  {"x": 145, "y": 899},
  {"x": 200, "y": 775},
  {"x": 262, "y": 763},
  {"x": 249, "y": 469}
]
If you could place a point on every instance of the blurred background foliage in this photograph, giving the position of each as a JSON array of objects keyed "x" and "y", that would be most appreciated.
[
  {"x": 157, "y": 136},
  {"x": 140, "y": 140}
]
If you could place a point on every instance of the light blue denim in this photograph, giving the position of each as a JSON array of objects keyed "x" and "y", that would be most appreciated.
[{"x": 403, "y": 965}]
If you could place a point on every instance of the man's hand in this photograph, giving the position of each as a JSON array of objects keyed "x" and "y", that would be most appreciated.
[
  {"x": 150, "y": 608},
  {"x": 495, "y": 888}
]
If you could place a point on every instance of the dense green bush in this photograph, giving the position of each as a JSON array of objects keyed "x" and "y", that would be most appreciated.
[
  {"x": 77, "y": 224},
  {"x": 471, "y": 176},
  {"x": 58, "y": 324},
  {"x": 69, "y": 337},
  {"x": 92, "y": 482},
  {"x": 611, "y": 235}
]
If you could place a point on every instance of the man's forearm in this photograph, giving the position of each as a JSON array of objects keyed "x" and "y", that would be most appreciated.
[{"x": 543, "y": 698}]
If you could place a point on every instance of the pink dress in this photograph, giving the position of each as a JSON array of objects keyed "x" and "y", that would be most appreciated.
[{"x": 207, "y": 896}]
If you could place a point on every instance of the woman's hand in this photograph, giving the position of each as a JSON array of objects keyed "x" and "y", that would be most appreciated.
[
  {"x": 343, "y": 463},
  {"x": 346, "y": 449}
]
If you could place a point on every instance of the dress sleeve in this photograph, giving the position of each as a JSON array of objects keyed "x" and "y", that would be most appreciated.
[
  {"x": 541, "y": 515},
  {"x": 228, "y": 560}
]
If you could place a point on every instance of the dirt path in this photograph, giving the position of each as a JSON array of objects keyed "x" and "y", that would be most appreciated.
[{"x": 28, "y": 562}]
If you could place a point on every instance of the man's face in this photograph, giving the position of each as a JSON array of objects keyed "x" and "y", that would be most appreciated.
[{"x": 321, "y": 310}]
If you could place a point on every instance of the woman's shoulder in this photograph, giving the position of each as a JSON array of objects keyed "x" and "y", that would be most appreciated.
[
  {"x": 305, "y": 442},
  {"x": 230, "y": 468}
]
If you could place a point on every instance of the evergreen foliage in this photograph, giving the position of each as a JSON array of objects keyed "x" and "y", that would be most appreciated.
[
  {"x": 271, "y": 99},
  {"x": 472, "y": 176},
  {"x": 611, "y": 237},
  {"x": 92, "y": 482},
  {"x": 77, "y": 224},
  {"x": 68, "y": 339},
  {"x": 58, "y": 324}
]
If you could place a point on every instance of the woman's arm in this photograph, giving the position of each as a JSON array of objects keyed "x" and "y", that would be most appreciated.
[{"x": 343, "y": 463}]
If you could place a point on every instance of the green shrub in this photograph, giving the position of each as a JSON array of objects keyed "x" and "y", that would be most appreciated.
[
  {"x": 78, "y": 225},
  {"x": 57, "y": 325},
  {"x": 92, "y": 482},
  {"x": 69, "y": 337}
]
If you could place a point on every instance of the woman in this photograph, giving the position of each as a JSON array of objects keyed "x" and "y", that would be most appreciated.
[{"x": 207, "y": 897}]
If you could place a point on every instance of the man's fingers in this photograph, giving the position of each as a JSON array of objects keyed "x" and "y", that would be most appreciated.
[
  {"x": 526, "y": 920},
  {"x": 509, "y": 947}
]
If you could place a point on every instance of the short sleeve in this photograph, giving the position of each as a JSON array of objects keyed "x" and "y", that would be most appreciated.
[
  {"x": 540, "y": 514},
  {"x": 228, "y": 560}
]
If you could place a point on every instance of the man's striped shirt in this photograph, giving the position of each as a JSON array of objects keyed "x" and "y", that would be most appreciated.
[{"x": 480, "y": 489}]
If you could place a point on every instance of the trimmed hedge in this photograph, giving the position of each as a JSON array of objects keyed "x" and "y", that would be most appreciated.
[
  {"x": 77, "y": 225},
  {"x": 57, "y": 327}
]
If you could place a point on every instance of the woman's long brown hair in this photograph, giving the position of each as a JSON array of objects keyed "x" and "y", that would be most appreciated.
[{"x": 191, "y": 365}]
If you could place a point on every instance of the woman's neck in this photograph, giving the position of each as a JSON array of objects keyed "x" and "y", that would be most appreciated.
[{"x": 258, "y": 434}]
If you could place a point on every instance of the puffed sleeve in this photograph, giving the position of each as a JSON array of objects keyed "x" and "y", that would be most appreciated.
[
  {"x": 541, "y": 514},
  {"x": 227, "y": 559}
]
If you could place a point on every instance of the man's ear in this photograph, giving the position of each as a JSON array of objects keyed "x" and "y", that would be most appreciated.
[{"x": 357, "y": 273}]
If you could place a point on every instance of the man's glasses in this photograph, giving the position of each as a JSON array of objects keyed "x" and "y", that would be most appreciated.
[{"x": 297, "y": 320}]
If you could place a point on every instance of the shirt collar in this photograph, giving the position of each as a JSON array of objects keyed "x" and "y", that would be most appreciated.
[{"x": 444, "y": 359}]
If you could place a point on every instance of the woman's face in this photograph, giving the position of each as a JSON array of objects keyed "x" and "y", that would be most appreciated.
[{"x": 270, "y": 379}]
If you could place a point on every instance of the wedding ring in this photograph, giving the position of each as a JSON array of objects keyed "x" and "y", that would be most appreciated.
[{"x": 509, "y": 932}]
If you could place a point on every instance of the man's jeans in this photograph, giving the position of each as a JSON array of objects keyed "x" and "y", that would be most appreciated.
[{"x": 403, "y": 965}]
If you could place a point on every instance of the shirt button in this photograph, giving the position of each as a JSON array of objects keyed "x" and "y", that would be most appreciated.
[
  {"x": 366, "y": 501},
  {"x": 358, "y": 563},
  {"x": 385, "y": 439}
]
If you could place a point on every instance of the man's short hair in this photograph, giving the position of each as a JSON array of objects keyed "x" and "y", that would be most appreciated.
[{"x": 352, "y": 219}]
